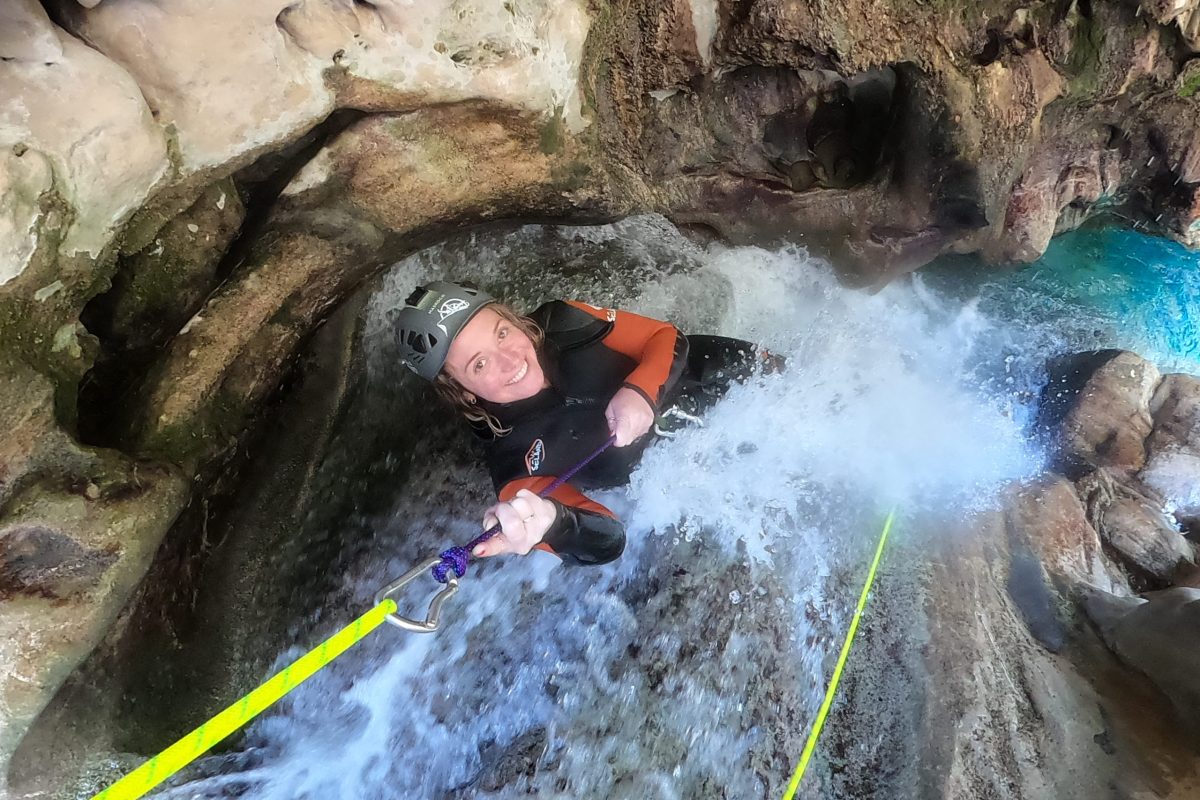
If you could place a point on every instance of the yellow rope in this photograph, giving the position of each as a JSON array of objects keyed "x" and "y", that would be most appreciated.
[
  {"x": 192, "y": 746},
  {"x": 811, "y": 744}
]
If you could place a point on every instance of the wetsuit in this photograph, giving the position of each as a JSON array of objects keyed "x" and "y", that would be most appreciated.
[{"x": 589, "y": 353}]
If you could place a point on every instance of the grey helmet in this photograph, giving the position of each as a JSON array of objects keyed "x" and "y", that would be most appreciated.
[{"x": 432, "y": 316}]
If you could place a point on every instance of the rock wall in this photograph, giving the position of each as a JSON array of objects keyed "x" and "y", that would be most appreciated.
[
  {"x": 1014, "y": 659},
  {"x": 178, "y": 210}
]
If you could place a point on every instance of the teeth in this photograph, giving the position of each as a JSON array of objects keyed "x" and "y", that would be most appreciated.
[{"x": 520, "y": 373}]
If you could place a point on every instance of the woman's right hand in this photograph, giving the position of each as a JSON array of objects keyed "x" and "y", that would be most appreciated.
[
  {"x": 629, "y": 416},
  {"x": 523, "y": 520}
]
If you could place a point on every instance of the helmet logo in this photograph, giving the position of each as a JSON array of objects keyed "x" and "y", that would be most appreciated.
[
  {"x": 535, "y": 456},
  {"x": 451, "y": 306},
  {"x": 449, "y": 309}
]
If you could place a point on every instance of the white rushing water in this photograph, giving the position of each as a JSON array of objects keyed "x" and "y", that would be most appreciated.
[{"x": 691, "y": 667}]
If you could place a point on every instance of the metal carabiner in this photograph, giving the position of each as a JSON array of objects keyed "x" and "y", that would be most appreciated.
[{"x": 435, "y": 605}]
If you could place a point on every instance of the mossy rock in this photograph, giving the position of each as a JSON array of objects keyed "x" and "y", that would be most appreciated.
[{"x": 1189, "y": 79}]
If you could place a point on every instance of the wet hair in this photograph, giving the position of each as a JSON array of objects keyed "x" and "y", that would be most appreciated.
[{"x": 453, "y": 392}]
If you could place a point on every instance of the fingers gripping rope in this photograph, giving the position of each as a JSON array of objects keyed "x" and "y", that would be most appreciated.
[{"x": 456, "y": 559}]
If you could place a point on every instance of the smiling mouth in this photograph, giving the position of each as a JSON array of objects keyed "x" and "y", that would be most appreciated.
[{"x": 520, "y": 374}]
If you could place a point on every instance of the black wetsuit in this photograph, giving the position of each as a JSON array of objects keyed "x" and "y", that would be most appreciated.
[{"x": 589, "y": 353}]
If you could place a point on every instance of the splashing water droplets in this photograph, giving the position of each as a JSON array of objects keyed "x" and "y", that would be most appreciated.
[{"x": 747, "y": 536}]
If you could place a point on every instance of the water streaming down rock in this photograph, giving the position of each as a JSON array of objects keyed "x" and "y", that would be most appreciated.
[{"x": 693, "y": 666}]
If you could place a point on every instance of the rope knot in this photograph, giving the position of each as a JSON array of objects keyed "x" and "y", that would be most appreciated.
[{"x": 456, "y": 559}]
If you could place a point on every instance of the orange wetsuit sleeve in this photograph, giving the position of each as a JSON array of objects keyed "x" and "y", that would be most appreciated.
[
  {"x": 658, "y": 347},
  {"x": 584, "y": 532}
]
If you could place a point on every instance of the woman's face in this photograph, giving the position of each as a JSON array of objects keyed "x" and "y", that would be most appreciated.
[{"x": 494, "y": 360}]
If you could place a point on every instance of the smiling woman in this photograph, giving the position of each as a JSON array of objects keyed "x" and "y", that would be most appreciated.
[
  {"x": 493, "y": 358},
  {"x": 546, "y": 390}
]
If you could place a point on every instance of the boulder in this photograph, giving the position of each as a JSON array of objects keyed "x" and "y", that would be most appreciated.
[
  {"x": 1173, "y": 449},
  {"x": 1095, "y": 410},
  {"x": 1135, "y": 526}
]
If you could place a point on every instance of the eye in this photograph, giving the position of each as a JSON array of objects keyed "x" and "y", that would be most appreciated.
[
  {"x": 477, "y": 367},
  {"x": 502, "y": 333}
]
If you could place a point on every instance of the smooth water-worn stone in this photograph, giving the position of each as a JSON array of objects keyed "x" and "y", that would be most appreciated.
[
  {"x": 26, "y": 33},
  {"x": 194, "y": 58},
  {"x": 1135, "y": 526},
  {"x": 1173, "y": 449},
  {"x": 87, "y": 118},
  {"x": 1096, "y": 410},
  {"x": 1048, "y": 519}
]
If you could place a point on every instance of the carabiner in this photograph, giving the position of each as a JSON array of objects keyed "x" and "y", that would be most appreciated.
[{"x": 435, "y": 605}]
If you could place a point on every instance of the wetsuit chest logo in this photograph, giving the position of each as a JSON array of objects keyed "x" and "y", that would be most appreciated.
[{"x": 533, "y": 459}]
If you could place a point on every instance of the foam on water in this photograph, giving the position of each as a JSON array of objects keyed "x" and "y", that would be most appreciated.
[{"x": 747, "y": 540}]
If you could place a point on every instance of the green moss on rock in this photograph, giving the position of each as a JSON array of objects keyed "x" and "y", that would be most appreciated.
[
  {"x": 552, "y": 134},
  {"x": 1189, "y": 84}
]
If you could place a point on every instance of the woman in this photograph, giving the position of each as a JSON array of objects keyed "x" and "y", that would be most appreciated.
[{"x": 546, "y": 390}]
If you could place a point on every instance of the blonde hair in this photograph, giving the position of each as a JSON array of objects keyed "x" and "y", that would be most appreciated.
[{"x": 463, "y": 401}]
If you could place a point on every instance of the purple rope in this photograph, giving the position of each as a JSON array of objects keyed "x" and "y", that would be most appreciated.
[{"x": 456, "y": 558}]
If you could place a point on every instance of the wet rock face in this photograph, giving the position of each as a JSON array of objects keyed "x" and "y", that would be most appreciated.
[
  {"x": 1136, "y": 528},
  {"x": 1049, "y": 521},
  {"x": 884, "y": 134},
  {"x": 504, "y": 764},
  {"x": 1096, "y": 407},
  {"x": 1128, "y": 436},
  {"x": 977, "y": 141},
  {"x": 1173, "y": 461},
  {"x": 41, "y": 562},
  {"x": 1147, "y": 634}
]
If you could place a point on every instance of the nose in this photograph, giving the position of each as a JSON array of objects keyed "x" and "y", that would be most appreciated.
[{"x": 506, "y": 359}]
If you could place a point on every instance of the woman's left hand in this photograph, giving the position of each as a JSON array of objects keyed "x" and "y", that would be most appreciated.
[
  {"x": 629, "y": 416},
  {"x": 523, "y": 520}
]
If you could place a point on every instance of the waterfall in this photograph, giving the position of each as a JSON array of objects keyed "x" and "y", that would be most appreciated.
[{"x": 691, "y": 666}]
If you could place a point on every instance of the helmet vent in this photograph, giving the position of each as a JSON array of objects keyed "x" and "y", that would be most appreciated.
[{"x": 420, "y": 342}]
